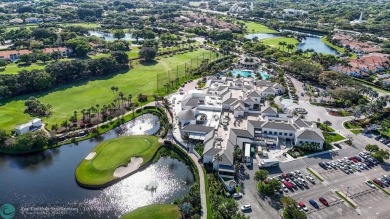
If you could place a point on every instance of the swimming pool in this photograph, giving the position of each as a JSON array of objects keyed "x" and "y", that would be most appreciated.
[
  {"x": 242, "y": 73},
  {"x": 264, "y": 75},
  {"x": 249, "y": 73}
]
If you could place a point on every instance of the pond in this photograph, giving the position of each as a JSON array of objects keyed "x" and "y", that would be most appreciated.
[
  {"x": 146, "y": 124},
  {"x": 260, "y": 35},
  {"x": 110, "y": 36},
  {"x": 311, "y": 42},
  {"x": 315, "y": 43},
  {"x": 46, "y": 179}
]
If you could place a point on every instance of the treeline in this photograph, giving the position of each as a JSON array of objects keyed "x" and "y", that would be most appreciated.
[{"x": 60, "y": 73}]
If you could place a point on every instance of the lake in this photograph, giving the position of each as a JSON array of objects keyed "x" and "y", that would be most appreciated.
[
  {"x": 46, "y": 179},
  {"x": 110, "y": 36},
  {"x": 311, "y": 42}
]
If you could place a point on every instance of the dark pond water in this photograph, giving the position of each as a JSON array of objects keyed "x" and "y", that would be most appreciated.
[
  {"x": 42, "y": 185},
  {"x": 316, "y": 44},
  {"x": 311, "y": 42},
  {"x": 110, "y": 36}
]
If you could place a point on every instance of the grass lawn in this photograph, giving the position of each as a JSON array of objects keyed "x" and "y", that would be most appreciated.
[
  {"x": 156, "y": 211},
  {"x": 13, "y": 68},
  {"x": 112, "y": 154},
  {"x": 323, "y": 127},
  {"x": 356, "y": 131},
  {"x": 339, "y": 49},
  {"x": 84, "y": 94},
  {"x": 133, "y": 53},
  {"x": 254, "y": 27},
  {"x": 350, "y": 125},
  {"x": 83, "y": 24},
  {"x": 274, "y": 42},
  {"x": 335, "y": 137}
]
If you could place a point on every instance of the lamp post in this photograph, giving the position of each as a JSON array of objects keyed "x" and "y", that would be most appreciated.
[{"x": 347, "y": 191}]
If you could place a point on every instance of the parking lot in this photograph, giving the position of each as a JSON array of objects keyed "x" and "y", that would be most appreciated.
[{"x": 370, "y": 201}]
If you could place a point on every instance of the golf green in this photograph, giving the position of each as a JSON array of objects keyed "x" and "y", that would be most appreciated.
[
  {"x": 156, "y": 211},
  {"x": 98, "y": 168},
  {"x": 84, "y": 94}
]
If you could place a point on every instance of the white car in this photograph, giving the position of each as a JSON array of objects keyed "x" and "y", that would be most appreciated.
[
  {"x": 237, "y": 195},
  {"x": 370, "y": 184},
  {"x": 246, "y": 207},
  {"x": 311, "y": 179}
]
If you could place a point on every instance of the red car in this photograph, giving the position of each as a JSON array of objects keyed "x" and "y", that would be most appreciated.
[
  {"x": 302, "y": 206},
  {"x": 323, "y": 201},
  {"x": 288, "y": 184},
  {"x": 378, "y": 182}
]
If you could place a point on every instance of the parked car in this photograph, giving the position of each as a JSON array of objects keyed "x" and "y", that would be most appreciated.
[
  {"x": 322, "y": 164},
  {"x": 378, "y": 182},
  {"x": 323, "y": 201},
  {"x": 370, "y": 184},
  {"x": 311, "y": 179},
  {"x": 314, "y": 203},
  {"x": 237, "y": 195},
  {"x": 246, "y": 207},
  {"x": 302, "y": 206}
]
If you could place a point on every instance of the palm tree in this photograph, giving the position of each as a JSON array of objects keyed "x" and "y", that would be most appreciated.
[
  {"x": 121, "y": 94},
  {"x": 283, "y": 43},
  {"x": 75, "y": 116},
  {"x": 83, "y": 112},
  {"x": 218, "y": 158},
  {"x": 327, "y": 124},
  {"x": 129, "y": 97},
  {"x": 290, "y": 47},
  {"x": 185, "y": 209},
  {"x": 98, "y": 111}
]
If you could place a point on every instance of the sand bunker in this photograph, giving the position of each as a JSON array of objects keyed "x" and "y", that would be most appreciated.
[
  {"x": 131, "y": 167},
  {"x": 90, "y": 156}
]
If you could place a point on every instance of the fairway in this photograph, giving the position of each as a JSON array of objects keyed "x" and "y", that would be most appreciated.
[
  {"x": 114, "y": 153},
  {"x": 85, "y": 94},
  {"x": 13, "y": 68},
  {"x": 274, "y": 42},
  {"x": 253, "y": 27},
  {"x": 156, "y": 211}
]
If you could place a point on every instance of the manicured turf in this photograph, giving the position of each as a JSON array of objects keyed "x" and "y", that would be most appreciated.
[
  {"x": 154, "y": 212},
  {"x": 253, "y": 27},
  {"x": 350, "y": 125},
  {"x": 85, "y": 24},
  {"x": 274, "y": 42},
  {"x": 112, "y": 154},
  {"x": 336, "y": 137},
  {"x": 13, "y": 68},
  {"x": 133, "y": 53},
  {"x": 79, "y": 95},
  {"x": 339, "y": 49},
  {"x": 356, "y": 131}
]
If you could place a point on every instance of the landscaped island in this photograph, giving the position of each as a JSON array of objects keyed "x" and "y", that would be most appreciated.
[
  {"x": 154, "y": 211},
  {"x": 116, "y": 158}
]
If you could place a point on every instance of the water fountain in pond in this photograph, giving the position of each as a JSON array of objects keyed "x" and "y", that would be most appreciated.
[{"x": 147, "y": 124}]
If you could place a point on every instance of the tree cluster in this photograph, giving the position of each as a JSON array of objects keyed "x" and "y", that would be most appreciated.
[{"x": 59, "y": 73}]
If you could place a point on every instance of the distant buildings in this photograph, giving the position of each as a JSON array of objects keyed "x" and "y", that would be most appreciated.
[
  {"x": 231, "y": 113},
  {"x": 33, "y": 20},
  {"x": 28, "y": 127},
  {"x": 294, "y": 12},
  {"x": 236, "y": 8},
  {"x": 16, "y": 21},
  {"x": 13, "y": 55}
]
